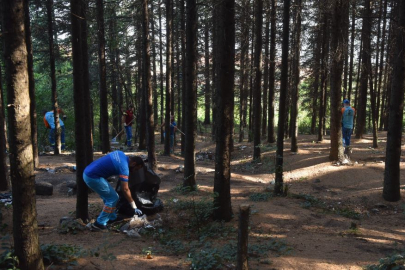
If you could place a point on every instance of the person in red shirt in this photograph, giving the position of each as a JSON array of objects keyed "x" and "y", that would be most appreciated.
[{"x": 127, "y": 119}]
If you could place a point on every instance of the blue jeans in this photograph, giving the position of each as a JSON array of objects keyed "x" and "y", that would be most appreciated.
[
  {"x": 62, "y": 137},
  {"x": 347, "y": 133},
  {"x": 107, "y": 193},
  {"x": 128, "y": 131}
]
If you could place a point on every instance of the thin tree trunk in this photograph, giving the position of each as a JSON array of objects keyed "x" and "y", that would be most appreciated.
[
  {"x": 169, "y": 43},
  {"x": 244, "y": 67},
  {"x": 380, "y": 71},
  {"x": 258, "y": 80},
  {"x": 57, "y": 146},
  {"x": 25, "y": 226},
  {"x": 366, "y": 52},
  {"x": 278, "y": 188},
  {"x": 266, "y": 70},
  {"x": 373, "y": 111},
  {"x": 148, "y": 85},
  {"x": 391, "y": 191},
  {"x": 4, "y": 179},
  {"x": 207, "y": 90},
  {"x": 154, "y": 85},
  {"x": 162, "y": 140},
  {"x": 270, "y": 127},
  {"x": 353, "y": 34},
  {"x": 225, "y": 96},
  {"x": 191, "y": 95},
  {"x": 317, "y": 54},
  {"x": 296, "y": 77},
  {"x": 183, "y": 72},
  {"x": 30, "y": 62},
  {"x": 105, "y": 141},
  {"x": 340, "y": 14}
]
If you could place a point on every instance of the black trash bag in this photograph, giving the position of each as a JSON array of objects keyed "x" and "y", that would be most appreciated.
[{"x": 144, "y": 186}]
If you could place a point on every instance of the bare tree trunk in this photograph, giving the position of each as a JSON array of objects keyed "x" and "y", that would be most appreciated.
[
  {"x": 373, "y": 111},
  {"x": 317, "y": 55},
  {"x": 224, "y": 100},
  {"x": 183, "y": 71},
  {"x": 169, "y": 45},
  {"x": 258, "y": 79},
  {"x": 296, "y": 77},
  {"x": 353, "y": 34},
  {"x": 30, "y": 62},
  {"x": 105, "y": 141},
  {"x": 25, "y": 227},
  {"x": 278, "y": 188},
  {"x": 266, "y": 69},
  {"x": 148, "y": 87},
  {"x": 154, "y": 85},
  {"x": 340, "y": 14},
  {"x": 191, "y": 95},
  {"x": 4, "y": 179},
  {"x": 391, "y": 191},
  {"x": 162, "y": 140},
  {"x": 207, "y": 90},
  {"x": 366, "y": 52},
  {"x": 380, "y": 72},
  {"x": 270, "y": 127},
  {"x": 244, "y": 67}
]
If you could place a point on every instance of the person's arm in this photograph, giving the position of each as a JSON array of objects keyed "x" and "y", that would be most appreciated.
[
  {"x": 127, "y": 192},
  {"x": 124, "y": 119}
]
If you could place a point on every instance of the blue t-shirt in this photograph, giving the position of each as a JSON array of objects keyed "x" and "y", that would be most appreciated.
[
  {"x": 172, "y": 125},
  {"x": 49, "y": 116},
  {"x": 115, "y": 163},
  {"x": 347, "y": 117}
]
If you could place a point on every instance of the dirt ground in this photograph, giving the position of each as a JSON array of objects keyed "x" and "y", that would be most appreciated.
[{"x": 333, "y": 218}]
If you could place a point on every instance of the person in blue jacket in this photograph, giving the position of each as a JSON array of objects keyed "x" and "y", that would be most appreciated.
[
  {"x": 95, "y": 176},
  {"x": 49, "y": 121}
]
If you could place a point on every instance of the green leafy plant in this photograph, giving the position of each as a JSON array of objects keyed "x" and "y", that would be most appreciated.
[
  {"x": 260, "y": 197},
  {"x": 393, "y": 262},
  {"x": 61, "y": 254},
  {"x": 8, "y": 260}
]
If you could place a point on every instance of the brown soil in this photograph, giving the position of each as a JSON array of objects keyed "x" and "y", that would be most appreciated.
[{"x": 317, "y": 229}]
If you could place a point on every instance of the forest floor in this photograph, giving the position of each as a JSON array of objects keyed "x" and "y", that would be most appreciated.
[{"x": 334, "y": 217}]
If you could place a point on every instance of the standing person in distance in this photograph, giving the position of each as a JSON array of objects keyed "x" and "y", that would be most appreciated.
[
  {"x": 95, "y": 176},
  {"x": 49, "y": 122},
  {"x": 128, "y": 119},
  {"x": 348, "y": 114}
]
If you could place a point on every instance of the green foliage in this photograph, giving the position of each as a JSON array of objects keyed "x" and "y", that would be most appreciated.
[
  {"x": 393, "y": 262},
  {"x": 61, "y": 254},
  {"x": 260, "y": 197},
  {"x": 8, "y": 260}
]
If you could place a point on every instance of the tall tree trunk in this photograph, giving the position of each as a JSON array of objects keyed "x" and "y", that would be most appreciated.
[
  {"x": 296, "y": 77},
  {"x": 148, "y": 85},
  {"x": 25, "y": 227},
  {"x": 251, "y": 82},
  {"x": 191, "y": 95},
  {"x": 169, "y": 43},
  {"x": 154, "y": 85},
  {"x": 340, "y": 14},
  {"x": 30, "y": 62},
  {"x": 105, "y": 141},
  {"x": 317, "y": 55},
  {"x": 270, "y": 127},
  {"x": 380, "y": 71},
  {"x": 244, "y": 67},
  {"x": 207, "y": 93},
  {"x": 364, "y": 77},
  {"x": 183, "y": 71},
  {"x": 391, "y": 191},
  {"x": 225, "y": 96},
  {"x": 353, "y": 34},
  {"x": 278, "y": 188},
  {"x": 373, "y": 110},
  {"x": 80, "y": 87},
  {"x": 162, "y": 139},
  {"x": 4, "y": 179},
  {"x": 266, "y": 69},
  {"x": 57, "y": 146},
  {"x": 142, "y": 92},
  {"x": 258, "y": 79}
]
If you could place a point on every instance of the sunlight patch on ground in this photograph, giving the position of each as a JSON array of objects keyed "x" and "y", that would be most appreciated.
[{"x": 260, "y": 179}]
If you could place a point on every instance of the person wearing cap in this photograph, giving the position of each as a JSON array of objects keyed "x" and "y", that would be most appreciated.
[
  {"x": 127, "y": 119},
  {"x": 95, "y": 175},
  {"x": 348, "y": 114},
  {"x": 49, "y": 121}
]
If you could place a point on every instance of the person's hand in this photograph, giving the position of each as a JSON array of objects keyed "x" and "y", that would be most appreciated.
[
  {"x": 125, "y": 124},
  {"x": 138, "y": 212}
]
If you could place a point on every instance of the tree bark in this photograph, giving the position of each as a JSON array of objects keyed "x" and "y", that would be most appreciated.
[
  {"x": 296, "y": 77},
  {"x": 340, "y": 14},
  {"x": 169, "y": 45},
  {"x": 25, "y": 227},
  {"x": 154, "y": 85},
  {"x": 224, "y": 100},
  {"x": 162, "y": 139},
  {"x": 270, "y": 127},
  {"x": 80, "y": 86},
  {"x": 4, "y": 179},
  {"x": 191, "y": 95},
  {"x": 207, "y": 90},
  {"x": 266, "y": 70},
  {"x": 183, "y": 71},
  {"x": 278, "y": 188},
  {"x": 105, "y": 138},
  {"x": 258, "y": 80},
  {"x": 243, "y": 237},
  {"x": 380, "y": 71},
  {"x": 364, "y": 77},
  {"x": 30, "y": 62},
  {"x": 244, "y": 67},
  {"x": 391, "y": 191},
  {"x": 57, "y": 147},
  {"x": 353, "y": 34},
  {"x": 148, "y": 85}
]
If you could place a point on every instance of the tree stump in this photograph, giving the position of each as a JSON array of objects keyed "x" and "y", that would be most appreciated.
[
  {"x": 43, "y": 188},
  {"x": 243, "y": 235}
]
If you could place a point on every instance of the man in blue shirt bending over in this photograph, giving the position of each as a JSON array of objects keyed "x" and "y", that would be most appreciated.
[{"x": 95, "y": 175}]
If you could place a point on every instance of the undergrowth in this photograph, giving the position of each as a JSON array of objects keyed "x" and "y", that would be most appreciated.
[{"x": 392, "y": 262}]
